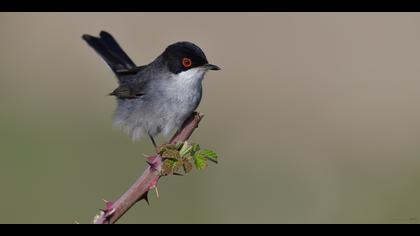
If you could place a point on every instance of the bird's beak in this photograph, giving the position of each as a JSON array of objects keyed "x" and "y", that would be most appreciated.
[{"x": 211, "y": 67}]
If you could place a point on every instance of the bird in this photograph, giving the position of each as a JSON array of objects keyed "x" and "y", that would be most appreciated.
[{"x": 158, "y": 97}]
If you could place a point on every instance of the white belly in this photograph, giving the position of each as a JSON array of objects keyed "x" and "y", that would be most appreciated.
[{"x": 170, "y": 107}]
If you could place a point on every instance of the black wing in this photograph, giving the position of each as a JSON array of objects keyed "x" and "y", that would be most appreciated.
[
  {"x": 128, "y": 91},
  {"x": 131, "y": 71}
]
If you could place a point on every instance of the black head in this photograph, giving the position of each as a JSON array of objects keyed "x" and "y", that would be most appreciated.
[{"x": 183, "y": 56}]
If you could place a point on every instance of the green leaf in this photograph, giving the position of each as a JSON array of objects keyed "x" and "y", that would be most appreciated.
[
  {"x": 165, "y": 148},
  {"x": 195, "y": 148},
  {"x": 210, "y": 155},
  {"x": 179, "y": 145},
  {"x": 184, "y": 155},
  {"x": 168, "y": 166},
  {"x": 185, "y": 149},
  {"x": 187, "y": 167},
  {"x": 200, "y": 161},
  {"x": 170, "y": 154}
]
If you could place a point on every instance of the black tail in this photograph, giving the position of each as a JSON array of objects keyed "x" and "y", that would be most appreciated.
[{"x": 107, "y": 47}]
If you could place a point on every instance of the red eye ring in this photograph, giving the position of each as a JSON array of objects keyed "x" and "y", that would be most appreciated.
[{"x": 186, "y": 62}]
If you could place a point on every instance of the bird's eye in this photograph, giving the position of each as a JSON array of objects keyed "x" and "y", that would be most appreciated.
[{"x": 186, "y": 62}]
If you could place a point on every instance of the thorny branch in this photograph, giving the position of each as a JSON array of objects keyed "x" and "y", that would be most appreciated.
[{"x": 148, "y": 180}]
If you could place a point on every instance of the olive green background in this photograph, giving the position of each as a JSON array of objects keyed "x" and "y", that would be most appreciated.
[{"x": 315, "y": 116}]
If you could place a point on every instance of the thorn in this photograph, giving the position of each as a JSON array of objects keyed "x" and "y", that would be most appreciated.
[
  {"x": 178, "y": 174},
  {"x": 109, "y": 205},
  {"x": 110, "y": 212},
  {"x": 157, "y": 191},
  {"x": 153, "y": 161},
  {"x": 146, "y": 198}
]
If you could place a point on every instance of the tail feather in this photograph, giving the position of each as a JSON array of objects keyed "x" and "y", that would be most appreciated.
[{"x": 108, "y": 48}]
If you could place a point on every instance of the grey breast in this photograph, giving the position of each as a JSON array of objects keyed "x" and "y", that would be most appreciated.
[{"x": 165, "y": 105}]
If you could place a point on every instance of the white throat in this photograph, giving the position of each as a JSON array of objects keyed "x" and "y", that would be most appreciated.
[{"x": 190, "y": 76}]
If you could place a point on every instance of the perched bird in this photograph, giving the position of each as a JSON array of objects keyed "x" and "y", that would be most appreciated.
[{"x": 157, "y": 97}]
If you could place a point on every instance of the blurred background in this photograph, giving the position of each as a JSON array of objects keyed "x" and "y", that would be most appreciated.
[{"x": 315, "y": 116}]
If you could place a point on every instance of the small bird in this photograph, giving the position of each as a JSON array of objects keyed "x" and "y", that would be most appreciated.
[{"x": 157, "y": 97}]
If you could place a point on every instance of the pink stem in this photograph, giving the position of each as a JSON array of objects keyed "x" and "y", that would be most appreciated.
[{"x": 148, "y": 180}]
